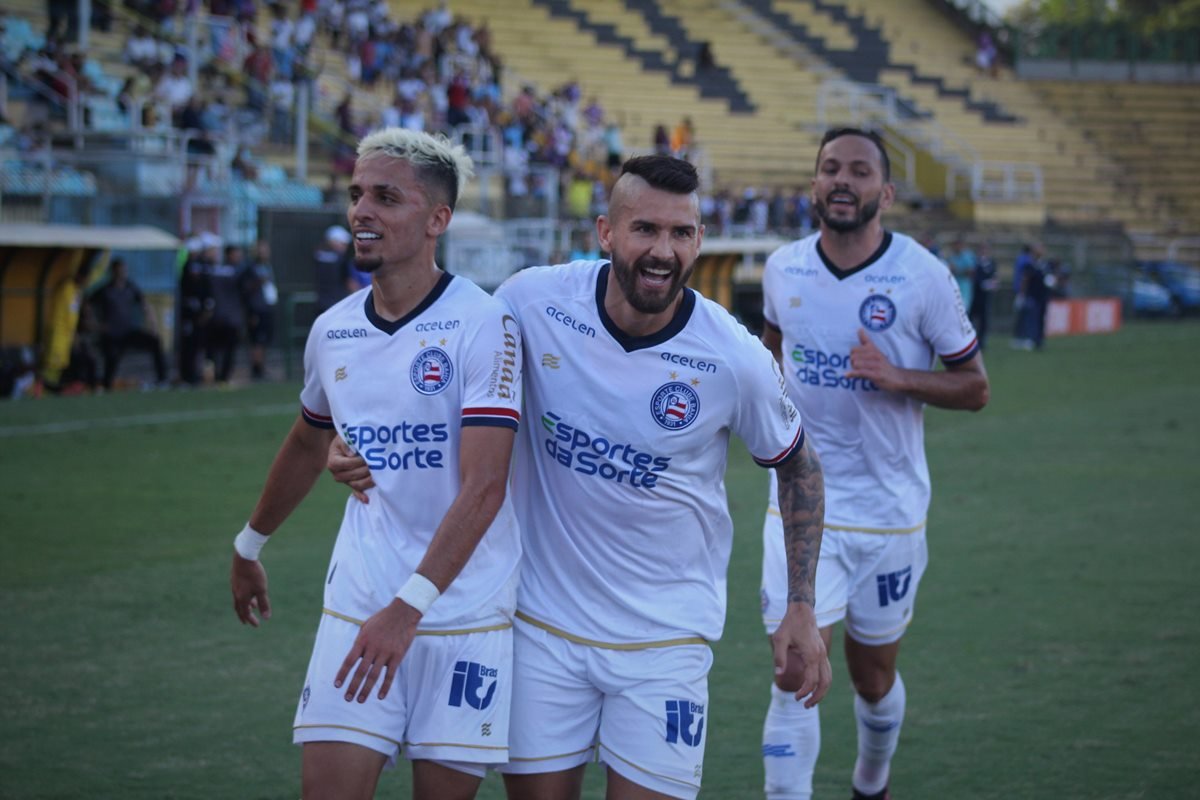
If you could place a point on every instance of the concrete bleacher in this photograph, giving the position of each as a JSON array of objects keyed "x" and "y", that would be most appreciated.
[
  {"x": 1083, "y": 182},
  {"x": 1149, "y": 131},
  {"x": 548, "y": 49}
]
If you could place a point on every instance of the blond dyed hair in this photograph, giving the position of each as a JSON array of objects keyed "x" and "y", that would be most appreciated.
[{"x": 438, "y": 162}]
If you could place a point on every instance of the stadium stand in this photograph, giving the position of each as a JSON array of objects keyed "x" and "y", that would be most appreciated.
[{"x": 759, "y": 79}]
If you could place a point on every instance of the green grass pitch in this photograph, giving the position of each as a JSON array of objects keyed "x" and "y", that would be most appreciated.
[{"x": 1053, "y": 654}]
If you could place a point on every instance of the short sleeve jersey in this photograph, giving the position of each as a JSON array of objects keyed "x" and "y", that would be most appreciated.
[
  {"x": 871, "y": 442},
  {"x": 400, "y": 394},
  {"x": 619, "y": 482}
]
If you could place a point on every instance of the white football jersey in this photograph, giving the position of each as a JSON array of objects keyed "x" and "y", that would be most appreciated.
[
  {"x": 870, "y": 442},
  {"x": 619, "y": 481},
  {"x": 400, "y": 393}
]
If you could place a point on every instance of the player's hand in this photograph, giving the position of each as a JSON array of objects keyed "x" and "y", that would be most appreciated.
[
  {"x": 868, "y": 361},
  {"x": 348, "y": 467},
  {"x": 378, "y": 649},
  {"x": 248, "y": 580},
  {"x": 801, "y": 661}
]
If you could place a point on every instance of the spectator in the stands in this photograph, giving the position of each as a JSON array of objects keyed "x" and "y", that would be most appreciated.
[
  {"x": 458, "y": 100},
  {"x": 987, "y": 57},
  {"x": 438, "y": 19},
  {"x": 142, "y": 49},
  {"x": 282, "y": 38},
  {"x": 683, "y": 138},
  {"x": 174, "y": 88},
  {"x": 661, "y": 141},
  {"x": 62, "y": 18},
  {"x": 258, "y": 68},
  {"x": 283, "y": 100},
  {"x": 614, "y": 146}
]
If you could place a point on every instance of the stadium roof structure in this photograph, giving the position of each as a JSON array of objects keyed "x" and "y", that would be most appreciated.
[{"x": 106, "y": 237}]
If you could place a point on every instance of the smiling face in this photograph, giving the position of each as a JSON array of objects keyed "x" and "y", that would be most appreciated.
[
  {"x": 850, "y": 189},
  {"x": 653, "y": 237},
  {"x": 394, "y": 217}
]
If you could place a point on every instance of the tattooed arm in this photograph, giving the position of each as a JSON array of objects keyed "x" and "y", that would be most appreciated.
[{"x": 802, "y": 505}]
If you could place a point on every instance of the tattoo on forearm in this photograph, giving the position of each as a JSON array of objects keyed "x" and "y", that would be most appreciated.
[{"x": 802, "y": 505}]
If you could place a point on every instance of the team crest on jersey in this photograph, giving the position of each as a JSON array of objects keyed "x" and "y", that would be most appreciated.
[
  {"x": 675, "y": 406},
  {"x": 877, "y": 312},
  {"x": 431, "y": 371}
]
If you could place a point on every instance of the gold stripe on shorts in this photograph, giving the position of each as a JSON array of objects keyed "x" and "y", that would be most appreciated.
[
  {"x": 560, "y": 755},
  {"x": 695, "y": 786},
  {"x": 457, "y": 744},
  {"x": 570, "y": 637},
  {"x": 350, "y": 728},
  {"x": 772, "y": 511},
  {"x": 499, "y": 626}
]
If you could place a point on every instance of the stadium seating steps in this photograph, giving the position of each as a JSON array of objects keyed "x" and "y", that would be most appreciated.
[{"x": 1113, "y": 154}]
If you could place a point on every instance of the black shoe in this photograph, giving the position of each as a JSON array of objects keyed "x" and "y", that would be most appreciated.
[{"x": 877, "y": 796}]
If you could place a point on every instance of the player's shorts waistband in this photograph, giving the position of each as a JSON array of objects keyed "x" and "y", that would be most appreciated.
[
  {"x": 499, "y": 626},
  {"x": 570, "y": 637},
  {"x": 774, "y": 512}
]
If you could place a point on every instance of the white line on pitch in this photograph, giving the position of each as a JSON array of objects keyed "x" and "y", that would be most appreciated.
[{"x": 144, "y": 419}]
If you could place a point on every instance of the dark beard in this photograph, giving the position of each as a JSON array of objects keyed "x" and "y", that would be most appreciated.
[
  {"x": 367, "y": 264},
  {"x": 866, "y": 213},
  {"x": 627, "y": 276}
]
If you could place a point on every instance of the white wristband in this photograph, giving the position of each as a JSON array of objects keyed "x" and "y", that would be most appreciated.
[
  {"x": 419, "y": 592},
  {"x": 249, "y": 543}
]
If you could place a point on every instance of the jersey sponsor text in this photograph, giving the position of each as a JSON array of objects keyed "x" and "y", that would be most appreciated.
[{"x": 576, "y": 449}]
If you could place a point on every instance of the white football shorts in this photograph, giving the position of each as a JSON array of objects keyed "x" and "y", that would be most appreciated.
[
  {"x": 641, "y": 711},
  {"x": 870, "y": 580},
  {"x": 449, "y": 702}
]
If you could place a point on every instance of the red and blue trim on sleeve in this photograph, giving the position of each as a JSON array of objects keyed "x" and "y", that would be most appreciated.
[
  {"x": 491, "y": 417},
  {"x": 786, "y": 455},
  {"x": 315, "y": 419},
  {"x": 962, "y": 356}
]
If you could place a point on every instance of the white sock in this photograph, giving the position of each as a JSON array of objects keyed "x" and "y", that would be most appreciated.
[
  {"x": 878, "y": 734},
  {"x": 791, "y": 743}
]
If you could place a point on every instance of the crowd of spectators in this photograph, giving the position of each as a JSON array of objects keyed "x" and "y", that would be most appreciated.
[{"x": 757, "y": 212}]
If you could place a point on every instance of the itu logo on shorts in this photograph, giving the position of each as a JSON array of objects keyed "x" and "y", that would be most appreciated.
[
  {"x": 877, "y": 312},
  {"x": 675, "y": 406},
  {"x": 467, "y": 685},
  {"x": 893, "y": 586},
  {"x": 682, "y": 717},
  {"x": 431, "y": 371}
]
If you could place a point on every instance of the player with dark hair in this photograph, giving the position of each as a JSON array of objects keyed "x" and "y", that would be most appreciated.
[
  {"x": 637, "y": 384},
  {"x": 856, "y": 315}
]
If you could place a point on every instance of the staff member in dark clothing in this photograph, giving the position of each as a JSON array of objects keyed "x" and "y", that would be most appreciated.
[
  {"x": 1033, "y": 311},
  {"x": 193, "y": 299},
  {"x": 983, "y": 285},
  {"x": 124, "y": 322},
  {"x": 225, "y": 306},
  {"x": 260, "y": 295},
  {"x": 331, "y": 268}
]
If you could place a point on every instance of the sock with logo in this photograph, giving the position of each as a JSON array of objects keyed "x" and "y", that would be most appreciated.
[
  {"x": 878, "y": 734},
  {"x": 791, "y": 743}
]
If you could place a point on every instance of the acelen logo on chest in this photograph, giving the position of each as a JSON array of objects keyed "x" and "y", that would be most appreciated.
[
  {"x": 402, "y": 446},
  {"x": 575, "y": 448}
]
